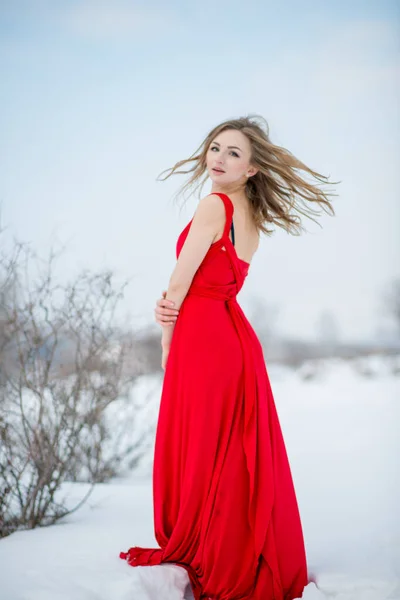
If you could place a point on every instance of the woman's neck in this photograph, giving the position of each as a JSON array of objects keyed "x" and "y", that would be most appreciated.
[{"x": 236, "y": 193}]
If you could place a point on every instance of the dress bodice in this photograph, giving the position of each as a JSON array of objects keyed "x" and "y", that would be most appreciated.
[{"x": 221, "y": 272}]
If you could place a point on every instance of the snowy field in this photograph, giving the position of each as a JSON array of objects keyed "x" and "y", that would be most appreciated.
[{"x": 342, "y": 435}]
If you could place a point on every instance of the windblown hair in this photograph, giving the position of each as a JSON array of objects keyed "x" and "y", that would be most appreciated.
[{"x": 278, "y": 193}]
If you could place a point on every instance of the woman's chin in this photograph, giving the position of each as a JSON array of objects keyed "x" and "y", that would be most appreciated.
[{"x": 218, "y": 179}]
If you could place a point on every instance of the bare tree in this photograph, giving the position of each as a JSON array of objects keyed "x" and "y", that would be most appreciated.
[
  {"x": 392, "y": 301},
  {"x": 63, "y": 363},
  {"x": 264, "y": 318},
  {"x": 328, "y": 332}
]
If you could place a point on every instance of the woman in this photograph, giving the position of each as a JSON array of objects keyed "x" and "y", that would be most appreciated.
[{"x": 225, "y": 508}]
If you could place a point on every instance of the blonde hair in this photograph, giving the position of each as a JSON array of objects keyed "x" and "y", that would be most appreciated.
[{"x": 277, "y": 191}]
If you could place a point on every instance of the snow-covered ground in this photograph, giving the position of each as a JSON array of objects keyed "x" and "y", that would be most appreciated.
[{"x": 342, "y": 436}]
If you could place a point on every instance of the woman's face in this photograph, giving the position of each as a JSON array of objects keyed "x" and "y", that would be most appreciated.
[{"x": 228, "y": 158}]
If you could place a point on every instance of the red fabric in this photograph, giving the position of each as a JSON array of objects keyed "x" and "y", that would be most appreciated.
[{"x": 225, "y": 507}]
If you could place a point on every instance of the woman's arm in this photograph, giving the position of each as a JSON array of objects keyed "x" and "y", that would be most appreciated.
[{"x": 208, "y": 220}]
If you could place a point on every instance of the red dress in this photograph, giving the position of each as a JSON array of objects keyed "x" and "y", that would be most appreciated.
[{"x": 225, "y": 507}]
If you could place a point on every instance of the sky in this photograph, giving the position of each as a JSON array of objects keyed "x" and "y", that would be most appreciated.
[{"x": 97, "y": 98}]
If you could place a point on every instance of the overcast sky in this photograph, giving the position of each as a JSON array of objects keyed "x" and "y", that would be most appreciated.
[{"x": 97, "y": 98}]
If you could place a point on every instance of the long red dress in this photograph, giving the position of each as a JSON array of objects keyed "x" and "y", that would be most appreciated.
[{"x": 225, "y": 507}]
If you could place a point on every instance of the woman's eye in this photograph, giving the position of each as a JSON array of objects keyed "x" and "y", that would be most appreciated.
[{"x": 233, "y": 152}]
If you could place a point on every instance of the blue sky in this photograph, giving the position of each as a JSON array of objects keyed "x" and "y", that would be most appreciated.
[{"x": 97, "y": 98}]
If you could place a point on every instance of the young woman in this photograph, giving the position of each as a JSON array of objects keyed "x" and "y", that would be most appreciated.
[{"x": 225, "y": 507}]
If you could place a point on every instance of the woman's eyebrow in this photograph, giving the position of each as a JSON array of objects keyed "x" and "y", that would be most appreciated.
[{"x": 237, "y": 148}]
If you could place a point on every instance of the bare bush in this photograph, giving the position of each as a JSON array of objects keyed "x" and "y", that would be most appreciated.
[{"x": 63, "y": 363}]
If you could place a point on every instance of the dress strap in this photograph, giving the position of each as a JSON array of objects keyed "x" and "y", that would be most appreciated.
[{"x": 229, "y": 213}]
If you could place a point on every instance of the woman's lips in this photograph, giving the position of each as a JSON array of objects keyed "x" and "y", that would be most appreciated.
[{"x": 218, "y": 171}]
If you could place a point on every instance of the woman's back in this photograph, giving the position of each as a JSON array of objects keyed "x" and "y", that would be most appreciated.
[{"x": 245, "y": 235}]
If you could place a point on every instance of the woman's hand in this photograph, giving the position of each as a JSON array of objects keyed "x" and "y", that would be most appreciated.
[
  {"x": 164, "y": 313},
  {"x": 164, "y": 358}
]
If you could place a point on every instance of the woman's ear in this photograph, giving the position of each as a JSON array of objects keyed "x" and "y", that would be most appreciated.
[{"x": 251, "y": 171}]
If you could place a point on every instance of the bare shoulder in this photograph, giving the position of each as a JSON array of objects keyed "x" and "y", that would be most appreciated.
[
  {"x": 212, "y": 202},
  {"x": 210, "y": 208}
]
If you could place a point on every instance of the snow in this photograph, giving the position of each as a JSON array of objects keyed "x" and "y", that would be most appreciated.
[{"x": 341, "y": 431}]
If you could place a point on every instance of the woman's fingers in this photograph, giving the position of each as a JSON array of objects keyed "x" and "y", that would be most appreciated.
[
  {"x": 164, "y": 319},
  {"x": 164, "y": 313},
  {"x": 161, "y": 310},
  {"x": 165, "y": 307}
]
